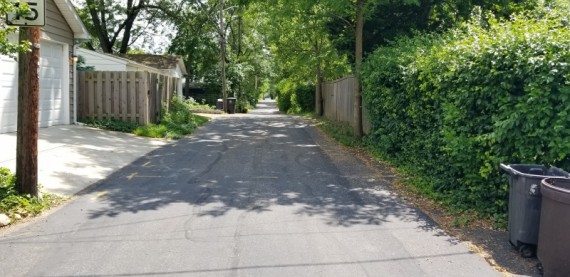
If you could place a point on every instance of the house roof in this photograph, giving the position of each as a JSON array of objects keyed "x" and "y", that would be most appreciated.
[
  {"x": 158, "y": 61},
  {"x": 116, "y": 59},
  {"x": 68, "y": 11}
]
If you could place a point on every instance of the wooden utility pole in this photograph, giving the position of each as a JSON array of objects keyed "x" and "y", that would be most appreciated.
[
  {"x": 357, "y": 130},
  {"x": 28, "y": 110},
  {"x": 223, "y": 56}
]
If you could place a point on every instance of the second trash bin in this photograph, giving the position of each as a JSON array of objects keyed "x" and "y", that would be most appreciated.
[
  {"x": 525, "y": 202},
  {"x": 553, "y": 240},
  {"x": 231, "y": 105}
]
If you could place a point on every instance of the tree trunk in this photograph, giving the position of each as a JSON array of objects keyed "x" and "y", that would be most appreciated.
[
  {"x": 357, "y": 128},
  {"x": 28, "y": 110},
  {"x": 319, "y": 92},
  {"x": 100, "y": 27},
  {"x": 319, "y": 102},
  {"x": 132, "y": 15},
  {"x": 426, "y": 7}
]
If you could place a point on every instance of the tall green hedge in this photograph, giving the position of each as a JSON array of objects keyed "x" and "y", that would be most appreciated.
[
  {"x": 452, "y": 107},
  {"x": 295, "y": 97}
]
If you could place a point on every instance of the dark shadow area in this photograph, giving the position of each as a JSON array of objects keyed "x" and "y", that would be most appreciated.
[
  {"x": 255, "y": 164},
  {"x": 496, "y": 243},
  {"x": 251, "y": 164}
]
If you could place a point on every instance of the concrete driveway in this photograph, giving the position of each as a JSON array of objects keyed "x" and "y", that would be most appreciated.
[{"x": 72, "y": 157}]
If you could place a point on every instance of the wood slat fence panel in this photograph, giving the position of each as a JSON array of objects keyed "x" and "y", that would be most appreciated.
[
  {"x": 135, "y": 96},
  {"x": 338, "y": 101}
]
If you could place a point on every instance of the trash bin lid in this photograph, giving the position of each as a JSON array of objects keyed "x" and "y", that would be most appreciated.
[
  {"x": 534, "y": 170},
  {"x": 557, "y": 184},
  {"x": 556, "y": 189}
]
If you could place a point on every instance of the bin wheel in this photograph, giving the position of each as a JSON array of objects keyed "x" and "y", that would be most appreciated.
[
  {"x": 527, "y": 251},
  {"x": 540, "y": 268}
]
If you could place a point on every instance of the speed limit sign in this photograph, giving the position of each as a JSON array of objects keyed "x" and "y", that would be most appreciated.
[{"x": 34, "y": 17}]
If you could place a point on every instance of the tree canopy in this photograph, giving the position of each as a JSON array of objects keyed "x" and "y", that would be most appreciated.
[
  {"x": 272, "y": 45},
  {"x": 118, "y": 25}
]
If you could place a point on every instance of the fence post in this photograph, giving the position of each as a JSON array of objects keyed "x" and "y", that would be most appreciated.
[
  {"x": 145, "y": 94},
  {"x": 124, "y": 96}
]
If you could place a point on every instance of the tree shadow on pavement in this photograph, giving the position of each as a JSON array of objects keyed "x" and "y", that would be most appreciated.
[{"x": 255, "y": 164}]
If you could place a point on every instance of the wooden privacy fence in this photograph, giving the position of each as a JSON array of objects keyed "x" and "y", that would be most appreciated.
[
  {"x": 135, "y": 96},
  {"x": 338, "y": 102}
]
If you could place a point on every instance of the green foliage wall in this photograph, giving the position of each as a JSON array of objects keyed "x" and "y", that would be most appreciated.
[
  {"x": 452, "y": 107},
  {"x": 294, "y": 97}
]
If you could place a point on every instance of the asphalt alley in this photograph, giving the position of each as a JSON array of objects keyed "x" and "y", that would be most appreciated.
[{"x": 261, "y": 194}]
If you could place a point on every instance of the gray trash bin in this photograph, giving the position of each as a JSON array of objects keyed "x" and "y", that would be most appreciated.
[
  {"x": 525, "y": 202},
  {"x": 220, "y": 104},
  {"x": 553, "y": 239}
]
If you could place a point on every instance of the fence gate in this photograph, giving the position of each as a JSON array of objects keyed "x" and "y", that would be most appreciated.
[
  {"x": 338, "y": 102},
  {"x": 127, "y": 96}
]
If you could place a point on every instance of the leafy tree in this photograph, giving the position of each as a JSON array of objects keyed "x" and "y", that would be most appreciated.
[
  {"x": 81, "y": 66},
  {"x": 385, "y": 21},
  {"x": 196, "y": 40},
  {"x": 119, "y": 24},
  {"x": 246, "y": 56},
  {"x": 8, "y": 47},
  {"x": 299, "y": 43}
]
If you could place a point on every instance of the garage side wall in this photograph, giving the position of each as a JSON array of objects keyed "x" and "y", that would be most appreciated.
[{"x": 56, "y": 27}]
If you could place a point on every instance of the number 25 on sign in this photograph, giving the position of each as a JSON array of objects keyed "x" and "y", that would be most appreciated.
[{"x": 34, "y": 17}]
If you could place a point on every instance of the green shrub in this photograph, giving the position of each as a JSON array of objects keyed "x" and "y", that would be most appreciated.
[
  {"x": 283, "y": 100},
  {"x": 295, "y": 97},
  {"x": 243, "y": 105},
  {"x": 176, "y": 122},
  {"x": 303, "y": 99},
  {"x": 452, "y": 107}
]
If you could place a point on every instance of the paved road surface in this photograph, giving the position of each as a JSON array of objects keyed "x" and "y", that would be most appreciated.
[{"x": 250, "y": 195}]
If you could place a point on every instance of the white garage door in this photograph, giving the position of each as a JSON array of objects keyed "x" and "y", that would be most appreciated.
[
  {"x": 54, "y": 107},
  {"x": 53, "y": 99}
]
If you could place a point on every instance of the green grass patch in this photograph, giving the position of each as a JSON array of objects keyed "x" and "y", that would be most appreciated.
[
  {"x": 17, "y": 206},
  {"x": 340, "y": 131},
  {"x": 172, "y": 130},
  {"x": 177, "y": 122}
]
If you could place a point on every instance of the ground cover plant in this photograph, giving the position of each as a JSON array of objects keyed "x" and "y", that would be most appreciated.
[
  {"x": 196, "y": 107},
  {"x": 176, "y": 121},
  {"x": 17, "y": 206}
]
